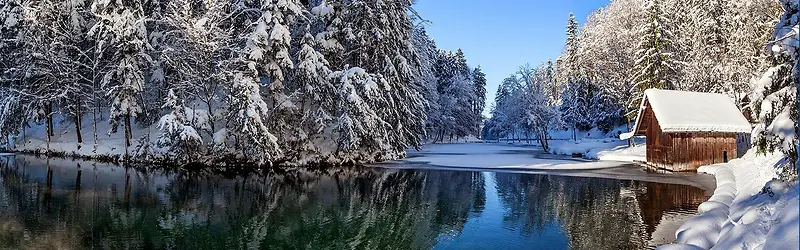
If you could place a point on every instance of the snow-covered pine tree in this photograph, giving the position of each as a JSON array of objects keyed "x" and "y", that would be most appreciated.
[
  {"x": 180, "y": 140},
  {"x": 458, "y": 114},
  {"x": 751, "y": 26},
  {"x": 152, "y": 97},
  {"x": 553, "y": 87},
  {"x": 654, "y": 63},
  {"x": 247, "y": 116},
  {"x": 426, "y": 76},
  {"x": 574, "y": 106},
  {"x": 479, "y": 82},
  {"x": 316, "y": 97},
  {"x": 122, "y": 25},
  {"x": 575, "y": 103},
  {"x": 360, "y": 132},
  {"x": 443, "y": 70},
  {"x": 653, "y": 68},
  {"x": 707, "y": 32},
  {"x": 508, "y": 110},
  {"x": 570, "y": 63},
  {"x": 10, "y": 26},
  {"x": 775, "y": 95},
  {"x": 268, "y": 46},
  {"x": 376, "y": 36}
]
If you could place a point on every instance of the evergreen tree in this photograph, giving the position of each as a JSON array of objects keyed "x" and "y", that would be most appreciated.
[
  {"x": 575, "y": 104},
  {"x": 427, "y": 77},
  {"x": 654, "y": 63},
  {"x": 122, "y": 24},
  {"x": 707, "y": 63},
  {"x": 316, "y": 96},
  {"x": 479, "y": 81},
  {"x": 180, "y": 139},
  {"x": 268, "y": 47},
  {"x": 376, "y": 36},
  {"x": 247, "y": 121},
  {"x": 775, "y": 95},
  {"x": 361, "y": 133},
  {"x": 570, "y": 62}
]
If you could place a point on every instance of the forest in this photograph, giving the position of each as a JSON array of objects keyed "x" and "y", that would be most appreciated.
[
  {"x": 276, "y": 82},
  {"x": 289, "y": 82},
  {"x": 744, "y": 49}
]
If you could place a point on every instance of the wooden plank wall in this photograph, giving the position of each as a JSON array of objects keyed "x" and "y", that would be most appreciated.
[
  {"x": 692, "y": 150},
  {"x": 687, "y": 151}
]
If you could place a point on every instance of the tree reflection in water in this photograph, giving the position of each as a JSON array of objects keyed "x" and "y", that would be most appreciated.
[
  {"x": 114, "y": 207},
  {"x": 594, "y": 213},
  {"x": 57, "y": 203}
]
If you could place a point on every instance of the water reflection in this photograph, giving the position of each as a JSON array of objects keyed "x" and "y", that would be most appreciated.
[
  {"x": 56, "y": 203},
  {"x": 597, "y": 213}
]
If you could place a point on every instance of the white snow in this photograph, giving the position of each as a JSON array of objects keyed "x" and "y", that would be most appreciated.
[
  {"x": 621, "y": 153},
  {"x": 749, "y": 210},
  {"x": 499, "y": 156},
  {"x": 608, "y": 149},
  {"x": 323, "y": 10},
  {"x": 683, "y": 111}
]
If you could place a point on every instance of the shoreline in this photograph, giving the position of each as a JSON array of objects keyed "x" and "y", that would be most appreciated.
[
  {"x": 750, "y": 208},
  {"x": 213, "y": 164}
]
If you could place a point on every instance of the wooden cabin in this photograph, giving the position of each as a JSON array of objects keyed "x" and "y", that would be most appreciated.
[{"x": 686, "y": 130}]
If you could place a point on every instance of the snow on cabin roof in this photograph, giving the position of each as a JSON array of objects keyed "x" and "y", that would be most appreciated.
[{"x": 683, "y": 111}]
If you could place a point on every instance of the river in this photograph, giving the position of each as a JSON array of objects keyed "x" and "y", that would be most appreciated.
[{"x": 58, "y": 203}]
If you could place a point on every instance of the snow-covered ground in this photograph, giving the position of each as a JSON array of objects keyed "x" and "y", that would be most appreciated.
[
  {"x": 606, "y": 149},
  {"x": 749, "y": 209},
  {"x": 498, "y": 156},
  {"x": 594, "y": 145},
  {"x": 65, "y": 139}
]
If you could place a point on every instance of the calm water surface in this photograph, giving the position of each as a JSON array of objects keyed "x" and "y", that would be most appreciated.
[{"x": 57, "y": 203}]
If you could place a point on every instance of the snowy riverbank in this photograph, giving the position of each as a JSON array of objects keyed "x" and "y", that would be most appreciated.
[
  {"x": 749, "y": 209},
  {"x": 592, "y": 145},
  {"x": 499, "y": 156},
  {"x": 607, "y": 149}
]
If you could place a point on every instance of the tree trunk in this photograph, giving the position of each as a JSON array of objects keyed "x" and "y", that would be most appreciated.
[
  {"x": 48, "y": 126},
  {"x": 211, "y": 119},
  {"x": 631, "y": 142},
  {"x": 574, "y": 133},
  {"x": 78, "y": 125},
  {"x": 49, "y": 111},
  {"x": 127, "y": 133},
  {"x": 543, "y": 140},
  {"x": 94, "y": 130}
]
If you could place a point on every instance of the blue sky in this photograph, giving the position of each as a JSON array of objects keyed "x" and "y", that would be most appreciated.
[{"x": 501, "y": 35}]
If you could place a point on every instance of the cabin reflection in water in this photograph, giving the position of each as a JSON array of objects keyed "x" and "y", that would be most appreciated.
[
  {"x": 51, "y": 203},
  {"x": 666, "y": 206},
  {"x": 600, "y": 213}
]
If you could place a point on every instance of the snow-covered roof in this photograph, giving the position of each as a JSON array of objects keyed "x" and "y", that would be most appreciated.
[{"x": 683, "y": 111}]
